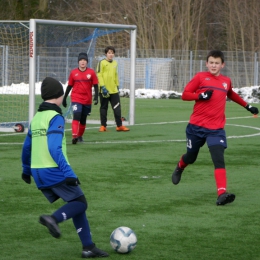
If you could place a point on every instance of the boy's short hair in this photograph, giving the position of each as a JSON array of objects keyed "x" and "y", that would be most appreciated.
[
  {"x": 109, "y": 48},
  {"x": 216, "y": 54}
]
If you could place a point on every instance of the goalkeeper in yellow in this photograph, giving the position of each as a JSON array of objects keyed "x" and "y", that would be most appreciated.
[{"x": 107, "y": 72}]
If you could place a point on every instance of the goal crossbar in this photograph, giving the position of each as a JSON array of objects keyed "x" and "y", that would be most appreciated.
[{"x": 32, "y": 57}]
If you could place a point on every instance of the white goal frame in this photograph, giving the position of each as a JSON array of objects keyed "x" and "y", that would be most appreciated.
[{"x": 32, "y": 58}]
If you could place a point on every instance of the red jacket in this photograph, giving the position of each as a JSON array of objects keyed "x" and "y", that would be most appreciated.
[
  {"x": 82, "y": 82},
  {"x": 210, "y": 113}
]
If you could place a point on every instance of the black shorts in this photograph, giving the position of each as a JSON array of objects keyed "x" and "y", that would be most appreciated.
[
  {"x": 197, "y": 136},
  {"x": 79, "y": 108},
  {"x": 63, "y": 191}
]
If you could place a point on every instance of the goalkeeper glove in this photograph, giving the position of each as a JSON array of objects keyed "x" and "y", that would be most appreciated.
[
  {"x": 26, "y": 178},
  {"x": 104, "y": 92},
  {"x": 206, "y": 95},
  {"x": 253, "y": 110},
  {"x": 72, "y": 181}
]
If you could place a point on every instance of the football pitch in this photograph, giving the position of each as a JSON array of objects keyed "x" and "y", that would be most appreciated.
[{"x": 126, "y": 177}]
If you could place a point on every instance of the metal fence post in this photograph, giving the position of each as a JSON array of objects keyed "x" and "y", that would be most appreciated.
[
  {"x": 38, "y": 69},
  {"x": 67, "y": 65},
  {"x": 3, "y": 64},
  {"x": 255, "y": 70},
  {"x": 257, "y": 67},
  {"x": 6, "y": 65},
  {"x": 191, "y": 72},
  {"x": 201, "y": 61}
]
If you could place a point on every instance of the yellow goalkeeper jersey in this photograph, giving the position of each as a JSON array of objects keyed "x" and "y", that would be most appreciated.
[{"x": 107, "y": 73}]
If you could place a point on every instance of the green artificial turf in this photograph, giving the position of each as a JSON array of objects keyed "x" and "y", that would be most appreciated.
[{"x": 126, "y": 177}]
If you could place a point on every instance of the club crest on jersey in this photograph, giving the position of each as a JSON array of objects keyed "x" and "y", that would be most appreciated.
[
  {"x": 88, "y": 76},
  {"x": 224, "y": 84}
]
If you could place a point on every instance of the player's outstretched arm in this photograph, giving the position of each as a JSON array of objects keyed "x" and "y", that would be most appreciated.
[
  {"x": 253, "y": 110},
  {"x": 64, "y": 102},
  {"x": 96, "y": 94},
  {"x": 26, "y": 158},
  {"x": 236, "y": 98}
]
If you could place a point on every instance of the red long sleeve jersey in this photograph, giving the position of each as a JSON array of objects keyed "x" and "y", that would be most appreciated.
[
  {"x": 82, "y": 82},
  {"x": 210, "y": 113}
]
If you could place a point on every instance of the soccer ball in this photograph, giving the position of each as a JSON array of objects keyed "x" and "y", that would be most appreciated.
[{"x": 123, "y": 240}]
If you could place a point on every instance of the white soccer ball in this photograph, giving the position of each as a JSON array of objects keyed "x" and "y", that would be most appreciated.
[{"x": 123, "y": 240}]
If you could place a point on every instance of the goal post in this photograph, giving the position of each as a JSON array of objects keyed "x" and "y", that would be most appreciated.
[
  {"x": 14, "y": 67},
  {"x": 33, "y": 34},
  {"x": 35, "y": 49}
]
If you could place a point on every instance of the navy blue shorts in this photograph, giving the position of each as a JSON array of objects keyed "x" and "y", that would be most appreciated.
[
  {"x": 63, "y": 191},
  {"x": 197, "y": 136},
  {"x": 79, "y": 108}
]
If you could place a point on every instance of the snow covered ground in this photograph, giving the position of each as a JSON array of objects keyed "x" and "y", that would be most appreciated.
[{"x": 249, "y": 94}]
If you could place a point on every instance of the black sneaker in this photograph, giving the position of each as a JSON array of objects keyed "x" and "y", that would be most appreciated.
[
  {"x": 176, "y": 175},
  {"x": 50, "y": 223},
  {"x": 94, "y": 252},
  {"x": 80, "y": 139},
  {"x": 74, "y": 140},
  {"x": 225, "y": 198}
]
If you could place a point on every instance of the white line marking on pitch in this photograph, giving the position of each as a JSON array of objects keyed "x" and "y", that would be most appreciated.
[{"x": 155, "y": 141}]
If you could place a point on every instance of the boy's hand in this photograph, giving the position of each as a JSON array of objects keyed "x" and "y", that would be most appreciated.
[
  {"x": 206, "y": 95},
  {"x": 104, "y": 92},
  {"x": 72, "y": 181},
  {"x": 64, "y": 102},
  {"x": 253, "y": 110},
  {"x": 26, "y": 178}
]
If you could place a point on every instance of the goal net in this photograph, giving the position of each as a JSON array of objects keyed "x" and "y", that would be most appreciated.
[
  {"x": 36, "y": 49},
  {"x": 14, "y": 63}
]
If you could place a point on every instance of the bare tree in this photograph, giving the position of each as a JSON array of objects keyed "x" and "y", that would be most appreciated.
[
  {"x": 162, "y": 24},
  {"x": 23, "y": 9}
]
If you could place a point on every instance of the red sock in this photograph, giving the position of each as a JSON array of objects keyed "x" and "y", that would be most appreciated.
[
  {"x": 182, "y": 164},
  {"x": 75, "y": 128},
  {"x": 81, "y": 129},
  {"x": 221, "y": 180}
]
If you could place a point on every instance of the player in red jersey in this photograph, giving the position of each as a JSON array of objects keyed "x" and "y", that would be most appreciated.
[
  {"x": 207, "y": 121},
  {"x": 81, "y": 80}
]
